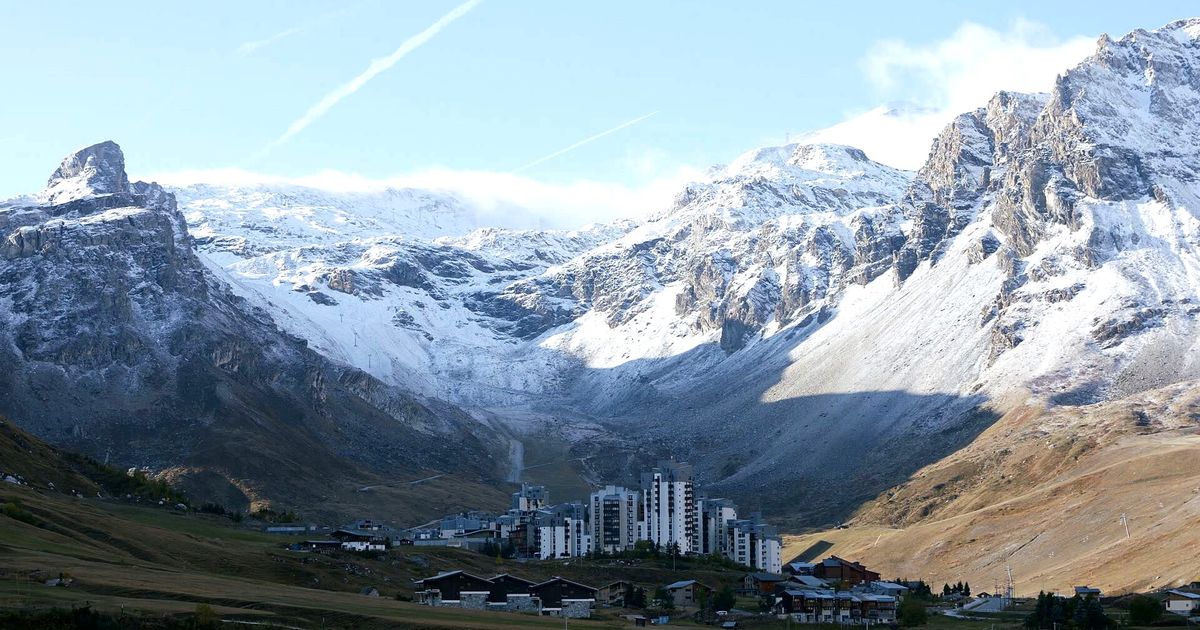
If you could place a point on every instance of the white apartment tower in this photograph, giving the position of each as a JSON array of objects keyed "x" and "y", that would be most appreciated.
[
  {"x": 754, "y": 544},
  {"x": 713, "y": 518},
  {"x": 669, "y": 506},
  {"x": 614, "y": 518},
  {"x": 562, "y": 532}
]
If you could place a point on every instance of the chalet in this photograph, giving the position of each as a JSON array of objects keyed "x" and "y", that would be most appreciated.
[
  {"x": 1087, "y": 591},
  {"x": 317, "y": 545},
  {"x": 289, "y": 529},
  {"x": 798, "y": 568},
  {"x": 806, "y": 605},
  {"x": 466, "y": 522},
  {"x": 506, "y": 585},
  {"x": 761, "y": 583},
  {"x": 613, "y": 594},
  {"x": 347, "y": 534},
  {"x": 689, "y": 593},
  {"x": 364, "y": 545},
  {"x": 1182, "y": 603},
  {"x": 562, "y": 597},
  {"x": 876, "y": 608},
  {"x": 474, "y": 540},
  {"x": 806, "y": 581},
  {"x": 453, "y": 589},
  {"x": 368, "y": 525},
  {"x": 837, "y": 570},
  {"x": 892, "y": 589}
]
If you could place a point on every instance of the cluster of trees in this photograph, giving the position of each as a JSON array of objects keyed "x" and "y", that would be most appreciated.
[
  {"x": 274, "y": 516},
  {"x": 1144, "y": 610},
  {"x": 1053, "y": 611},
  {"x": 121, "y": 483},
  {"x": 962, "y": 588},
  {"x": 635, "y": 597},
  {"x": 918, "y": 589},
  {"x": 14, "y": 509},
  {"x": 86, "y": 618},
  {"x": 912, "y": 612},
  {"x": 504, "y": 549},
  {"x": 648, "y": 550}
]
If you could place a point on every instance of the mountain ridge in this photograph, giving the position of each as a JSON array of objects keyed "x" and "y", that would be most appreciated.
[{"x": 801, "y": 295}]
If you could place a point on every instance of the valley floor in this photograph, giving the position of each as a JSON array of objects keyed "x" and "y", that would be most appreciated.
[{"x": 136, "y": 560}]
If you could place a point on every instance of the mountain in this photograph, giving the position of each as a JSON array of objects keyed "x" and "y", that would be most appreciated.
[
  {"x": 1047, "y": 491},
  {"x": 801, "y": 295},
  {"x": 808, "y": 326},
  {"x": 119, "y": 343}
]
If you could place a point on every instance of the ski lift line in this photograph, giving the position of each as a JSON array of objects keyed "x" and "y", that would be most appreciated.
[
  {"x": 558, "y": 461},
  {"x": 400, "y": 483}
]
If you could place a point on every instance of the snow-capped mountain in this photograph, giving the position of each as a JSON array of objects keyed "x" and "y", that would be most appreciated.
[
  {"x": 802, "y": 292},
  {"x": 119, "y": 343},
  {"x": 803, "y": 318}
]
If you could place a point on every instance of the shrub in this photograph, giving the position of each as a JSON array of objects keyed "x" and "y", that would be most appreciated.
[
  {"x": 206, "y": 617},
  {"x": 912, "y": 612},
  {"x": 1144, "y": 610},
  {"x": 725, "y": 599},
  {"x": 663, "y": 599},
  {"x": 213, "y": 508},
  {"x": 14, "y": 510}
]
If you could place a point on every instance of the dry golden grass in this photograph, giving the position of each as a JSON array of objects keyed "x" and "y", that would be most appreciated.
[{"x": 1043, "y": 492}]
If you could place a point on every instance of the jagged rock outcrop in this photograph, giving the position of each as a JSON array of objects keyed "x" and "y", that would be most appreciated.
[
  {"x": 118, "y": 342},
  {"x": 800, "y": 295}
]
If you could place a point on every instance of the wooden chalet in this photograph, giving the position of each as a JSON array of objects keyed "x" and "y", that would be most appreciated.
[
  {"x": 449, "y": 587},
  {"x": 836, "y": 570}
]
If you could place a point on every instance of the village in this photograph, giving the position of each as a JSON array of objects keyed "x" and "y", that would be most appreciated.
[{"x": 667, "y": 520}]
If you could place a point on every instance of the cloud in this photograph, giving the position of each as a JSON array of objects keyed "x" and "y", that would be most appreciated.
[
  {"x": 898, "y": 135},
  {"x": 499, "y": 199},
  {"x": 964, "y": 70},
  {"x": 628, "y": 123},
  {"x": 939, "y": 80},
  {"x": 373, "y": 70}
]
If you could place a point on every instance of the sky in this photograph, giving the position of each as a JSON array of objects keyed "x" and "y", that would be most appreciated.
[{"x": 582, "y": 110}]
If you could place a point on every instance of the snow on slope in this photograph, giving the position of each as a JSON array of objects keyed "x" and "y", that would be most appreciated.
[{"x": 1047, "y": 246}]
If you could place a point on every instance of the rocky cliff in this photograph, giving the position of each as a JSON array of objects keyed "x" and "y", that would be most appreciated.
[
  {"x": 807, "y": 325},
  {"x": 118, "y": 342}
]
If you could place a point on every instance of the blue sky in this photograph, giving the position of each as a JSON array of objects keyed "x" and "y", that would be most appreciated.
[{"x": 197, "y": 86}]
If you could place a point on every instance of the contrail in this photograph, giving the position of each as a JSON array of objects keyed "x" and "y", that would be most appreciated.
[
  {"x": 250, "y": 47},
  {"x": 584, "y": 141},
  {"x": 377, "y": 66}
]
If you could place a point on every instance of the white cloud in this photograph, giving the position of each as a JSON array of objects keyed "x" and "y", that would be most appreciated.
[
  {"x": 500, "y": 199},
  {"x": 964, "y": 70},
  {"x": 898, "y": 135},
  {"x": 949, "y": 77}
]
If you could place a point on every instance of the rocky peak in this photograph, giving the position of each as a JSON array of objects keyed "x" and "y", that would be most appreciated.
[
  {"x": 834, "y": 159},
  {"x": 95, "y": 170}
]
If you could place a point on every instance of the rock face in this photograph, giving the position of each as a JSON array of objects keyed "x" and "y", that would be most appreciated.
[
  {"x": 119, "y": 343},
  {"x": 806, "y": 325},
  {"x": 95, "y": 170}
]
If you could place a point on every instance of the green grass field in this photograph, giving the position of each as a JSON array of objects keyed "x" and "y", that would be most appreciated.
[{"x": 161, "y": 561}]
